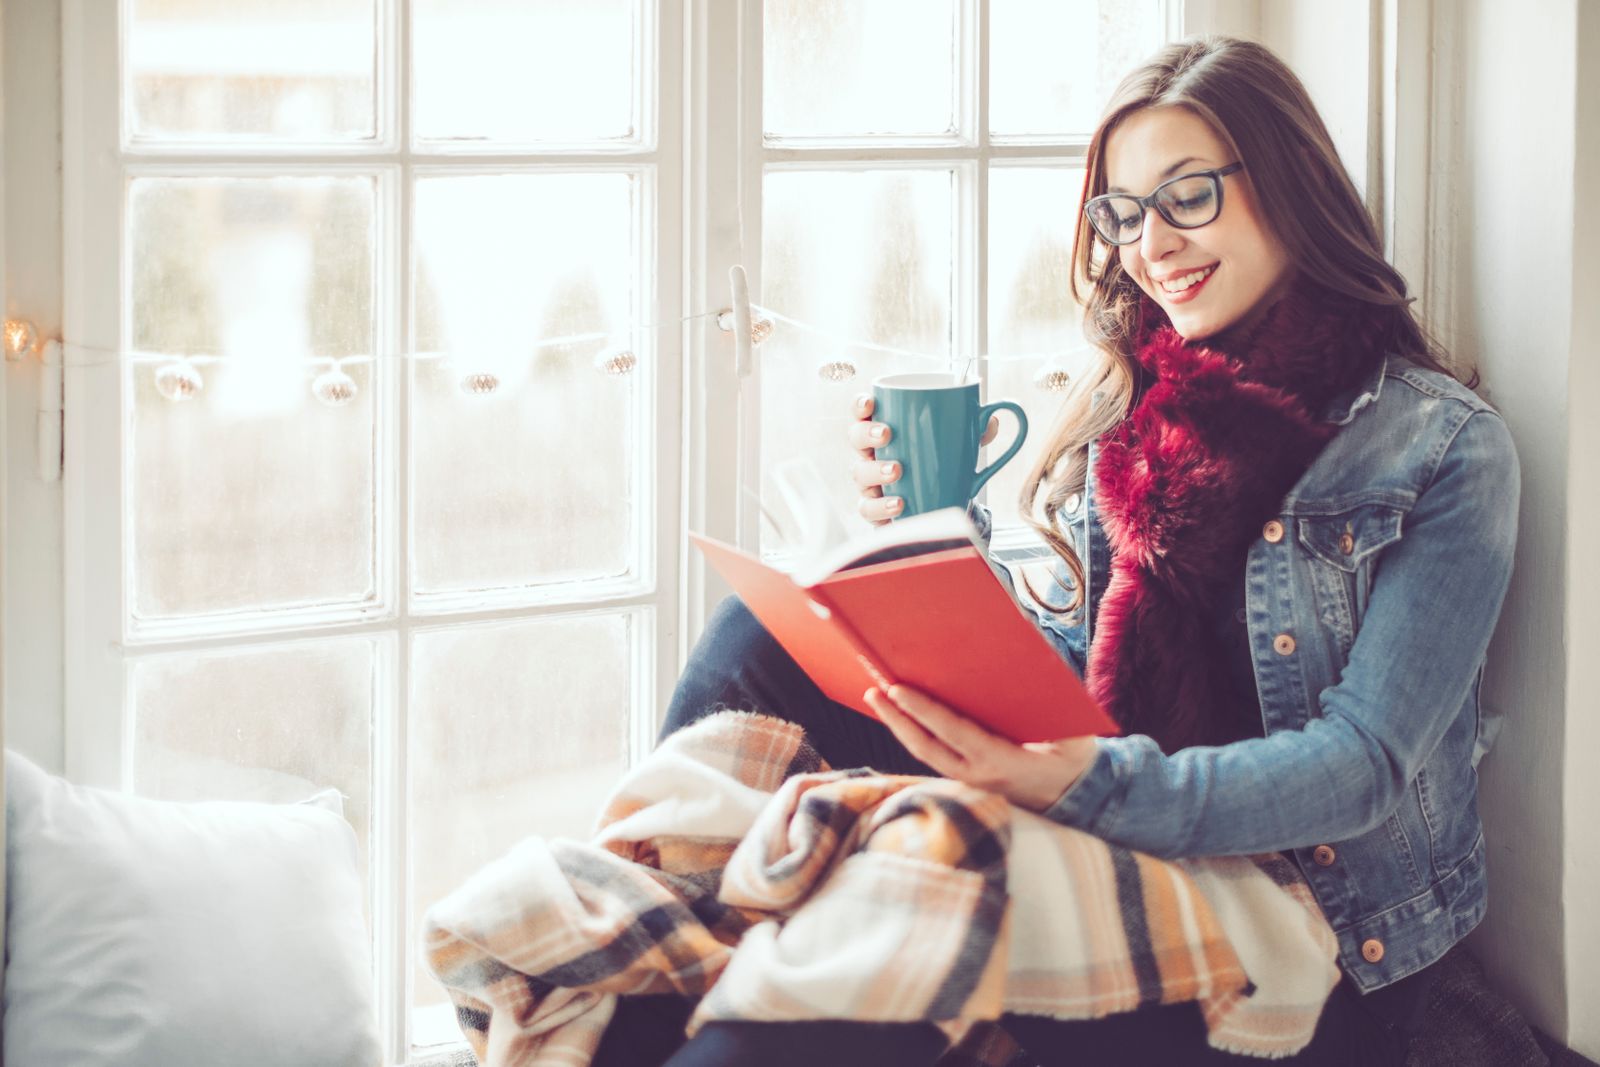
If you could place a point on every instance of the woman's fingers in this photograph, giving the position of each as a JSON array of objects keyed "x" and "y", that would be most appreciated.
[
  {"x": 866, "y": 436},
  {"x": 991, "y": 431},
  {"x": 879, "y": 509},
  {"x": 916, "y": 739},
  {"x": 875, "y": 473},
  {"x": 955, "y": 730}
]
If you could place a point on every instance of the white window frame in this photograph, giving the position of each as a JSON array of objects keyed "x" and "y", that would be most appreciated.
[{"x": 95, "y": 165}]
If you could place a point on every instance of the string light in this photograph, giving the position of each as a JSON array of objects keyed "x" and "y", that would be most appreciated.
[
  {"x": 21, "y": 338},
  {"x": 334, "y": 387},
  {"x": 179, "y": 377},
  {"x": 179, "y": 380}
]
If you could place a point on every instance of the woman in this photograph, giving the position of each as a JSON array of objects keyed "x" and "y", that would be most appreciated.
[{"x": 1284, "y": 533}]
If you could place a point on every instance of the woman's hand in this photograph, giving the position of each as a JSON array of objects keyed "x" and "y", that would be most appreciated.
[
  {"x": 1031, "y": 776},
  {"x": 871, "y": 475}
]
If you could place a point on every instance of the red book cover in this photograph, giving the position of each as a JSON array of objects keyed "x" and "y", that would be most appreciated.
[{"x": 941, "y": 622}]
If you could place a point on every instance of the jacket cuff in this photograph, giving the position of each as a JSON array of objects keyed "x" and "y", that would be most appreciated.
[
  {"x": 983, "y": 520},
  {"x": 1084, "y": 805}
]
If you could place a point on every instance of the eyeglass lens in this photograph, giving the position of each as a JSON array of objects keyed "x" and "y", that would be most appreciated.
[{"x": 1185, "y": 202}]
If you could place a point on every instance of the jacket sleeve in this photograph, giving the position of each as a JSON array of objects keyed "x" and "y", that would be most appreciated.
[{"x": 1433, "y": 607}]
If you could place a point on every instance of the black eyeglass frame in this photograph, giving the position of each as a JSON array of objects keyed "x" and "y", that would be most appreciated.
[{"x": 1153, "y": 201}]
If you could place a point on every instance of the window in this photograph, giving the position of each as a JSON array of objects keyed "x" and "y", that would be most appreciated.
[
  {"x": 383, "y": 494},
  {"x": 353, "y": 495}
]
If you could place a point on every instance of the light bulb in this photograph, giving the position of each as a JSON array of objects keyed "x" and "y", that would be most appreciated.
[
  {"x": 480, "y": 384},
  {"x": 1052, "y": 380},
  {"x": 615, "y": 362},
  {"x": 179, "y": 380},
  {"x": 760, "y": 328},
  {"x": 334, "y": 387},
  {"x": 840, "y": 370},
  {"x": 20, "y": 338}
]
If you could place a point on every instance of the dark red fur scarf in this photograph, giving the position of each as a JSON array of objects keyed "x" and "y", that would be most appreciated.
[{"x": 1219, "y": 435}]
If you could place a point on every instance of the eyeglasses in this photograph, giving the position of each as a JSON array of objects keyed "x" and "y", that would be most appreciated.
[{"x": 1187, "y": 201}]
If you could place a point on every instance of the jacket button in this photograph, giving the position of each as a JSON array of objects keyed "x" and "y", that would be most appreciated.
[
  {"x": 1283, "y": 644},
  {"x": 1372, "y": 950},
  {"x": 1070, "y": 505},
  {"x": 1347, "y": 544},
  {"x": 1273, "y": 532},
  {"x": 1323, "y": 855}
]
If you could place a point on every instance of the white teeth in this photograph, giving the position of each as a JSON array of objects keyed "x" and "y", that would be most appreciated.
[{"x": 1178, "y": 285}]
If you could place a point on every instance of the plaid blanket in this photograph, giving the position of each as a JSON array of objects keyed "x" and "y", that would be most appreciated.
[{"x": 734, "y": 866}]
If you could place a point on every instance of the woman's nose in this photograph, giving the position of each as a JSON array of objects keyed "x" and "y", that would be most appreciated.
[{"x": 1160, "y": 237}]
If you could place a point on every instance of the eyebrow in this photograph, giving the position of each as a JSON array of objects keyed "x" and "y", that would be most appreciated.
[{"x": 1169, "y": 172}]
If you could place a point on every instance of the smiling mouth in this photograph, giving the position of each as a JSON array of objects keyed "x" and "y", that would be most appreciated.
[{"x": 1184, "y": 282}]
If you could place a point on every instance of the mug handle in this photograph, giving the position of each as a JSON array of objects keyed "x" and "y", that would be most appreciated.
[{"x": 983, "y": 423}]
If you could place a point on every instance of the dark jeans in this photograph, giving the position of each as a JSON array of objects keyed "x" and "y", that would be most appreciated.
[{"x": 738, "y": 665}]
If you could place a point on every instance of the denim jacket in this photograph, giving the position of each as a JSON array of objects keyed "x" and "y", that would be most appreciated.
[{"x": 1385, "y": 568}]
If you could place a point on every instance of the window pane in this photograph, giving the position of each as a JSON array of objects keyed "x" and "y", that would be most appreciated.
[
  {"x": 1054, "y": 63},
  {"x": 251, "y": 494},
  {"x": 1032, "y": 213},
  {"x": 276, "y": 724},
  {"x": 516, "y": 729},
  {"x": 843, "y": 68},
  {"x": 256, "y": 70},
  {"x": 536, "y": 481},
  {"x": 860, "y": 255},
  {"x": 526, "y": 71}
]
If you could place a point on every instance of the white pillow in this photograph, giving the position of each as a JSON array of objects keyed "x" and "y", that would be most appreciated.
[{"x": 148, "y": 933}]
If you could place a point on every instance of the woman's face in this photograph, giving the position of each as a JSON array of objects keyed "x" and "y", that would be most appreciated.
[{"x": 1247, "y": 268}]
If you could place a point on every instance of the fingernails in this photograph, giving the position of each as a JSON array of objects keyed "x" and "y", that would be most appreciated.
[
  {"x": 894, "y": 503},
  {"x": 888, "y": 469},
  {"x": 876, "y": 433}
]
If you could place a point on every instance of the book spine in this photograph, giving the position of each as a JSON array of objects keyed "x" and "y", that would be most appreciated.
[{"x": 869, "y": 660}]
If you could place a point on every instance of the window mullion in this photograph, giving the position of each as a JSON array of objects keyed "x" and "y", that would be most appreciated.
[{"x": 392, "y": 716}]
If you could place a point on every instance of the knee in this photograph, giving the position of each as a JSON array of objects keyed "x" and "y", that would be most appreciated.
[
  {"x": 733, "y": 644},
  {"x": 732, "y": 636}
]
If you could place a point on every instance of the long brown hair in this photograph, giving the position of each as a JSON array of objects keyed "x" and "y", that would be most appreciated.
[{"x": 1260, "y": 110}]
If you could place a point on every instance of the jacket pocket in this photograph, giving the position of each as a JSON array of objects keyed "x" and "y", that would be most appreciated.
[{"x": 1343, "y": 546}]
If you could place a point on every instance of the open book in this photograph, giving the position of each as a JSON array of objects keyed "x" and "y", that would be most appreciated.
[{"x": 916, "y": 602}]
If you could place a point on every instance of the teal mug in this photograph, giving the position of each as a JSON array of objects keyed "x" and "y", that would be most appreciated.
[{"x": 935, "y": 423}]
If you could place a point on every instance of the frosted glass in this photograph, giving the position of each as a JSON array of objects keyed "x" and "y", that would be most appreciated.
[
  {"x": 526, "y": 71},
  {"x": 1054, "y": 63},
  {"x": 274, "y": 724},
  {"x": 252, "y": 495},
  {"x": 262, "y": 70},
  {"x": 1032, "y": 213},
  {"x": 516, "y": 729},
  {"x": 844, "y": 68},
  {"x": 535, "y": 482},
  {"x": 858, "y": 255}
]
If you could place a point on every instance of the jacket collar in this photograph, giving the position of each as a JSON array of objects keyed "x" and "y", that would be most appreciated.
[{"x": 1344, "y": 407}]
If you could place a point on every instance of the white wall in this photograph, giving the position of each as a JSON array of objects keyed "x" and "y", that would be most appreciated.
[
  {"x": 1329, "y": 45},
  {"x": 1506, "y": 127},
  {"x": 1581, "y": 841},
  {"x": 32, "y": 532}
]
